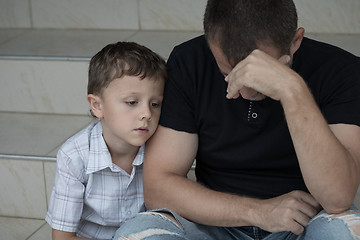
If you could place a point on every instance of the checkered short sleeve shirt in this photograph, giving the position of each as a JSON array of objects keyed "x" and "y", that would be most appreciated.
[{"x": 91, "y": 195}]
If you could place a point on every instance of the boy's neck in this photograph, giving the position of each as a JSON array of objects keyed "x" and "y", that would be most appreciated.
[{"x": 124, "y": 160}]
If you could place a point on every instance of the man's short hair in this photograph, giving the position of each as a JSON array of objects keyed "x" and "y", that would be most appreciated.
[{"x": 239, "y": 26}]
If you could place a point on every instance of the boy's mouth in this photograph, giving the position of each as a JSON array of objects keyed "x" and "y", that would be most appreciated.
[{"x": 142, "y": 130}]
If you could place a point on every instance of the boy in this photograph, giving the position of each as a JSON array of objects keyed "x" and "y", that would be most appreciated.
[{"x": 98, "y": 183}]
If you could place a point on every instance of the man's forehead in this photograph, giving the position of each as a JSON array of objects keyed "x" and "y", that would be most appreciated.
[{"x": 223, "y": 62}]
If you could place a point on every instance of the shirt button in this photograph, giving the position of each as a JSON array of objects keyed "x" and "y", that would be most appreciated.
[
  {"x": 128, "y": 213},
  {"x": 254, "y": 115}
]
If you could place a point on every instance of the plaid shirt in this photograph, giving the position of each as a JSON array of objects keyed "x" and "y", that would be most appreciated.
[{"x": 91, "y": 195}]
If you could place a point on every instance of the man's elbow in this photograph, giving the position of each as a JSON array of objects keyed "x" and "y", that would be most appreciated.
[
  {"x": 152, "y": 195},
  {"x": 151, "y": 201},
  {"x": 338, "y": 204}
]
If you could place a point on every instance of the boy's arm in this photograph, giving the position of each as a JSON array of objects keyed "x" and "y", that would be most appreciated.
[
  {"x": 169, "y": 156},
  {"x": 67, "y": 193},
  {"x": 61, "y": 235}
]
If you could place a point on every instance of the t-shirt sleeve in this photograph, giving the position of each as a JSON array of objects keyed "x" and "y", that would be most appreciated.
[
  {"x": 66, "y": 201},
  {"x": 342, "y": 103},
  {"x": 178, "y": 105}
]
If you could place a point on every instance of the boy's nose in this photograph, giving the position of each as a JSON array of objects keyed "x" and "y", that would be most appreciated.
[{"x": 145, "y": 114}]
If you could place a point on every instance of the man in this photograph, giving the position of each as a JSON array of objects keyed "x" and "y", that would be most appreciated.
[{"x": 272, "y": 119}]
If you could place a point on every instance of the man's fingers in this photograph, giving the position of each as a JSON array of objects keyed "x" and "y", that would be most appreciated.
[
  {"x": 305, "y": 203},
  {"x": 309, "y": 199},
  {"x": 296, "y": 228},
  {"x": 303, "y": 219}
]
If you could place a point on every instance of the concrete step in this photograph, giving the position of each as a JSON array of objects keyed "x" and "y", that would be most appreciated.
[{"x": 45, "y": 71}]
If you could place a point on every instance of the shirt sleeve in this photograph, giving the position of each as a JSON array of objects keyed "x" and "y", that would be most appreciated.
[
  {"x": 178, "y": 106},
  {"x": 66, "y": 201},
  {"x": 342, "y": 103}
]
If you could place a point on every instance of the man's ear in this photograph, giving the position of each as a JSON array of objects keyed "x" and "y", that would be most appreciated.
[
  {"x": 95, "y": 105},
  {"x": 295, "y": 44}
]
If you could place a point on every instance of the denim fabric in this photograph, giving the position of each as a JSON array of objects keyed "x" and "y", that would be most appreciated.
[
  {"x": 148, "y": 226},
  {"x": 332, "y": 227}
]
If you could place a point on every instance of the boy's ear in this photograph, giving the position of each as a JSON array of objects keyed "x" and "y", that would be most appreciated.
[
  {"x": 95, "y": 105},
  {"x": 299, "y": 35}
]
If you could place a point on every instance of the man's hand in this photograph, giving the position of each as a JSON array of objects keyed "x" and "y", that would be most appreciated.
[
  {"x": 259, "y": 75},
  {"x": 289, "y": 212}
]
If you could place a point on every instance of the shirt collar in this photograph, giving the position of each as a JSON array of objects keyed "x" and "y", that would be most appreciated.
[
  {"x": 99, "y": 155},
  {"x": 139, "y": 159}
]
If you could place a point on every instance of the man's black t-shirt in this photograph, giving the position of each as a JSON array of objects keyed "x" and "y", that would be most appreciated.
[{"x": 245, "y": 146}]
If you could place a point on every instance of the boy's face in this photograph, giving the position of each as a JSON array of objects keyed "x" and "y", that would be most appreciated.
[{"x": 130, "y": 110}]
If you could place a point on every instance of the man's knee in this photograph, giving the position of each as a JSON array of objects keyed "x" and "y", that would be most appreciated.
[
  {"x": 150, "y": 225},
  {"x": 334, "y": 226}
]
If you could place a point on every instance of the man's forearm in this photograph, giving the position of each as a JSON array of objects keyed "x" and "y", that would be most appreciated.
[
  {"x": 288, "y": 212},
  {"x": 198, "y": 203},
  {"x": 329, "y": 170}
]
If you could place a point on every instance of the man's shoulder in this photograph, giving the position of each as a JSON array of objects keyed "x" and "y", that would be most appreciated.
[
  {"x": 324, "y": 51},
  {"x": 193, "y": 46},
  {"x": 315, "y": 56},
  {"x": 199, "y": 40}
]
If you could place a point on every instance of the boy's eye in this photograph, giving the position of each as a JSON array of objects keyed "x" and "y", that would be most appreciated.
[
  {"x": 131, "y": 102},
  {"x": 155, "y": 105}
]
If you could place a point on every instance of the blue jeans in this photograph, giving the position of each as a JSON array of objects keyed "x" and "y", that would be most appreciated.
[{"x": 153, "y": 226}]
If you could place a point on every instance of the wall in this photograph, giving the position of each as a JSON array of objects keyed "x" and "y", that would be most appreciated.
[{"x": 320, "y": 16}]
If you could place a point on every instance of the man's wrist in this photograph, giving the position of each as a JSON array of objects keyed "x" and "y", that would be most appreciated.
[
  {"x": 295, "y": 93},
  {"x": 253, "y": 212}
]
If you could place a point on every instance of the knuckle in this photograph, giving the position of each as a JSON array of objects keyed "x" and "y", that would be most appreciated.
[
  {"x": 293, "y": 201},
  {"x": 296, "y": 192},
  {"x": 288, "y": 214}
]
